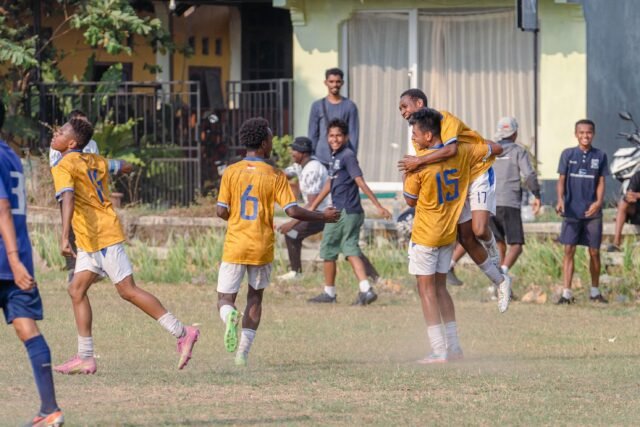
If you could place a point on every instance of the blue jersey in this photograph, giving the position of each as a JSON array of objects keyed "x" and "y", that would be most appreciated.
[{"x": 12, "y": 188}]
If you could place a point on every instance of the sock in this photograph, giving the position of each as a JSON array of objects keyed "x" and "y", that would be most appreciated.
[
  {"x": 172, "y": 324},
  {"x": 364, "y": 285},
  {"x": 246, "y": 339},
  {"x": 491, "y": 271},
  {"x": 488, "y": 243},
  {"x": 504, "y": 269},
  {"x": 436, "y": 339},
  {"x": 224, "y": 312},
  {"x": 595, "y": 291},
  {"x": 566, "y": 293},
  {"x": 451, "y": 333},
  {"x": 453, "y": 264},
  {"x": 85, "y": 347},
  {"x": 330, "y": 290},
  {"x": 40, "y": 358}
]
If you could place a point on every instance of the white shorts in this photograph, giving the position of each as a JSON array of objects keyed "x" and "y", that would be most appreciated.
[
  {"x": 481, "y": 196},
  {"x": 427, "y": 261},
  {"x": 111, "y": 261},
  {"x": 230, "y": 276}
]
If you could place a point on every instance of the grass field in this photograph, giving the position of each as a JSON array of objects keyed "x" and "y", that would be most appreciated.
[{"x": 337, "y": 365}]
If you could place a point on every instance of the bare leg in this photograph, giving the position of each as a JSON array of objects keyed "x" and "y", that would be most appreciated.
[
  {"x": 458, "y": 252},
  {"x": 567, "y": 265},
  {"x": 25, "y": 328},
  {"x": 513, "y": 253},
  {"x": 502, "y": 249},
  {"x": 253, "y": 312},
  {"x": 480, "y": 223},
  {"x": 140, "y": 298},
  {"x": 226, "y": 299},
  {"x": 429, "y": 299},
  {"x": 621, "y": 217},
  {"x": 594, "y": 266},
  {"x": 447, "y": 310},
  {"x": 476, "y": 251},
  {"x": 329, "y": 273},
  {"x": 80, "y": 301},
  {"x": 358, "y": 267}
]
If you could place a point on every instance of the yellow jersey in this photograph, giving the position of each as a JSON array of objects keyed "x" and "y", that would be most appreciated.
[
  {"x": 455, "y": 130},
  {"x": 95, "y": 222},
  {"x": 249, "y": 191},
  {"x": 441, "y": 189}
]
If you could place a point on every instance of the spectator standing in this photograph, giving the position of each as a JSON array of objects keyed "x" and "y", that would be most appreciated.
[
  {"x": 510, "y": 167},
  {"x": 628, "y": 210},
  {"x": 333, "y": 106},
  {"x": 580, "y": 191}
]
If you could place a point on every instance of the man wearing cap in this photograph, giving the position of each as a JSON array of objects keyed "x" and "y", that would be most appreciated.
[
  {"x": 311, "y": 176},
  {"x": 510, "y": 167}
]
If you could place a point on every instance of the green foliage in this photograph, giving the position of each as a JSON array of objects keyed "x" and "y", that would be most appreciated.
[
  {"x": 281, "y": 150},
  {"x": 15, "y": 47}
]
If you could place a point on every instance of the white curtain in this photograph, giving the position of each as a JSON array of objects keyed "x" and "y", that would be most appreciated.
[
  {"x": 479, "y": 67},
  {"x": 378, "y": 73}
]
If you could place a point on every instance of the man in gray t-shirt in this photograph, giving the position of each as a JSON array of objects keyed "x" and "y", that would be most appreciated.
[
  {"x": 512, "y": 166},
  {"x": 332, "y": 106}
]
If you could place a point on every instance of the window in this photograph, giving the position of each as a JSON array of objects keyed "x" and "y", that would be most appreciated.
[{"x": 205, "y": 46}]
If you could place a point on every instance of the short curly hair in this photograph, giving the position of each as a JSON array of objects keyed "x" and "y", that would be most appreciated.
[
  {"x": 83, "y": 131},
  {"x": 340, "y": 124},
  {"x": 254, "y": 132}
]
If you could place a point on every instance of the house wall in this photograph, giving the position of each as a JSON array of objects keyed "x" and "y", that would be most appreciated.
[{"x": 562, "y": 61}]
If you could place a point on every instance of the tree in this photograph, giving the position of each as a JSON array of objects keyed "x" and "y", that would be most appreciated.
[{"x": 104, "y": 24}]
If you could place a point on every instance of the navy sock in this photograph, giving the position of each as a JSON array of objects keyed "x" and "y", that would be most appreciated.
[{"x": 40, "y": 358}]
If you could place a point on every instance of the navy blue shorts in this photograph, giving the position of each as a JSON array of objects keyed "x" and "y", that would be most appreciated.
[
  {"x": 583, "y": 232},
  {"x": 17, "y": 303}
]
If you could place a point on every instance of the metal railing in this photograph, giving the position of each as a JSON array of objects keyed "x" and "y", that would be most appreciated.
[{"x": 165, "y": 135}]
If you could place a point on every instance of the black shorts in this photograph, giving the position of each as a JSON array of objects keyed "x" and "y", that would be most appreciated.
[
  {"x": 583, "y": 232},
  {"x": 507, "y": 225},
  {"x": 635, "y": 217}
]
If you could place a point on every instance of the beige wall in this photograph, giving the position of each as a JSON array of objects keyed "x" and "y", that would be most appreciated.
[{"x": 562, "y": 61}]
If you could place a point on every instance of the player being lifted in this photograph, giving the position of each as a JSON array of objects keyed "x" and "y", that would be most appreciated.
[
  {"x": 82, "y": 184},
  {"x": 248, "y": 192},
  {"x": 438, "y": 191},
  {"x": 19, "y": 296},
  {"x": 474, "y": 233}
]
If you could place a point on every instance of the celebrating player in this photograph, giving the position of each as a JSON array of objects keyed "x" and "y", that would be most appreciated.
[
  {"x": 439, "y": 192},
  {"x": 248, "y": 192},
  {"x": 481, "y": 195},
  {"x": 82, "y": 184},
  {"x": 19, "y": 297}
]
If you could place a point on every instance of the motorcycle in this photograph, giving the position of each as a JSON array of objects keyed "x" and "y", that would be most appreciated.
[{"x": 626, "y": 161}]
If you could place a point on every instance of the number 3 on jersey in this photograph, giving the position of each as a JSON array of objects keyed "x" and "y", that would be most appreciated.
[
  {"x": 444, "y": 186},
  {"x": 248, "y": 203}
]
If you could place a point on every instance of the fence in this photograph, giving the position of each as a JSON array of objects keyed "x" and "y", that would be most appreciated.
[
  {"x": 162, "y": 135},
  {"x": 271, "y": 99}
]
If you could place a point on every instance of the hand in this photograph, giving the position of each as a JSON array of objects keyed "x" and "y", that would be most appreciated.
[
  {"x": 66, "y": 249},
  {"x": 593, "y": 209},
  {"x": 560, "y": 207},
  {"x": 286, "y": 227},
  {"x": 409, "y": 164},
  {"x": 631, "y": 197},
  {"x": 384, "y": 213},
  {"x": 126, "y": 168},
  {"x": 21, "y": 276},
  {"x": 331, "y": 214},
  {"x": 535, "y": 206}
]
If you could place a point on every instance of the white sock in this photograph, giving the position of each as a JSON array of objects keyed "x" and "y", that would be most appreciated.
[
  {"x": 491, "y": 271},
  {"x": 364, "y": 285},
  {"x": 451, "y": 333},
  {"x": 566, "y": 293},
  {"x": 330, "y": 290},
  {"x": 172, "y": 324},
  {"x": 436, "y": 339},
  {"x": 595, "y": 291},
  {"x": 488, "y": 243},
  {"x": 224, "y": 311},
  {"x": 505, "y": 269},
  {"x": 85, "y": 347},
  {"x": 246, "y": 339},
  {"x": 453, "y": 264}
]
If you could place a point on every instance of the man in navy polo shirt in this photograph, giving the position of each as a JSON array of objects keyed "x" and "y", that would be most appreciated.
[
  {"x": 580, "y": 197},
  {"x": 344, "y": 183}
]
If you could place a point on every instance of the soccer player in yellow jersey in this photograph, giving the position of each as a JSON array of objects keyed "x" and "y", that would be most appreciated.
[
  {"x": 481, "y": 195},
  {"x": 82, "y": 185},
  {"x": 248, "y": 192},
  {"x": 438, "y": 192}
]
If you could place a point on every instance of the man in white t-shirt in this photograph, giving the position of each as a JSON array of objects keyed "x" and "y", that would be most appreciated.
[{"x": 311, "y": 176}]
